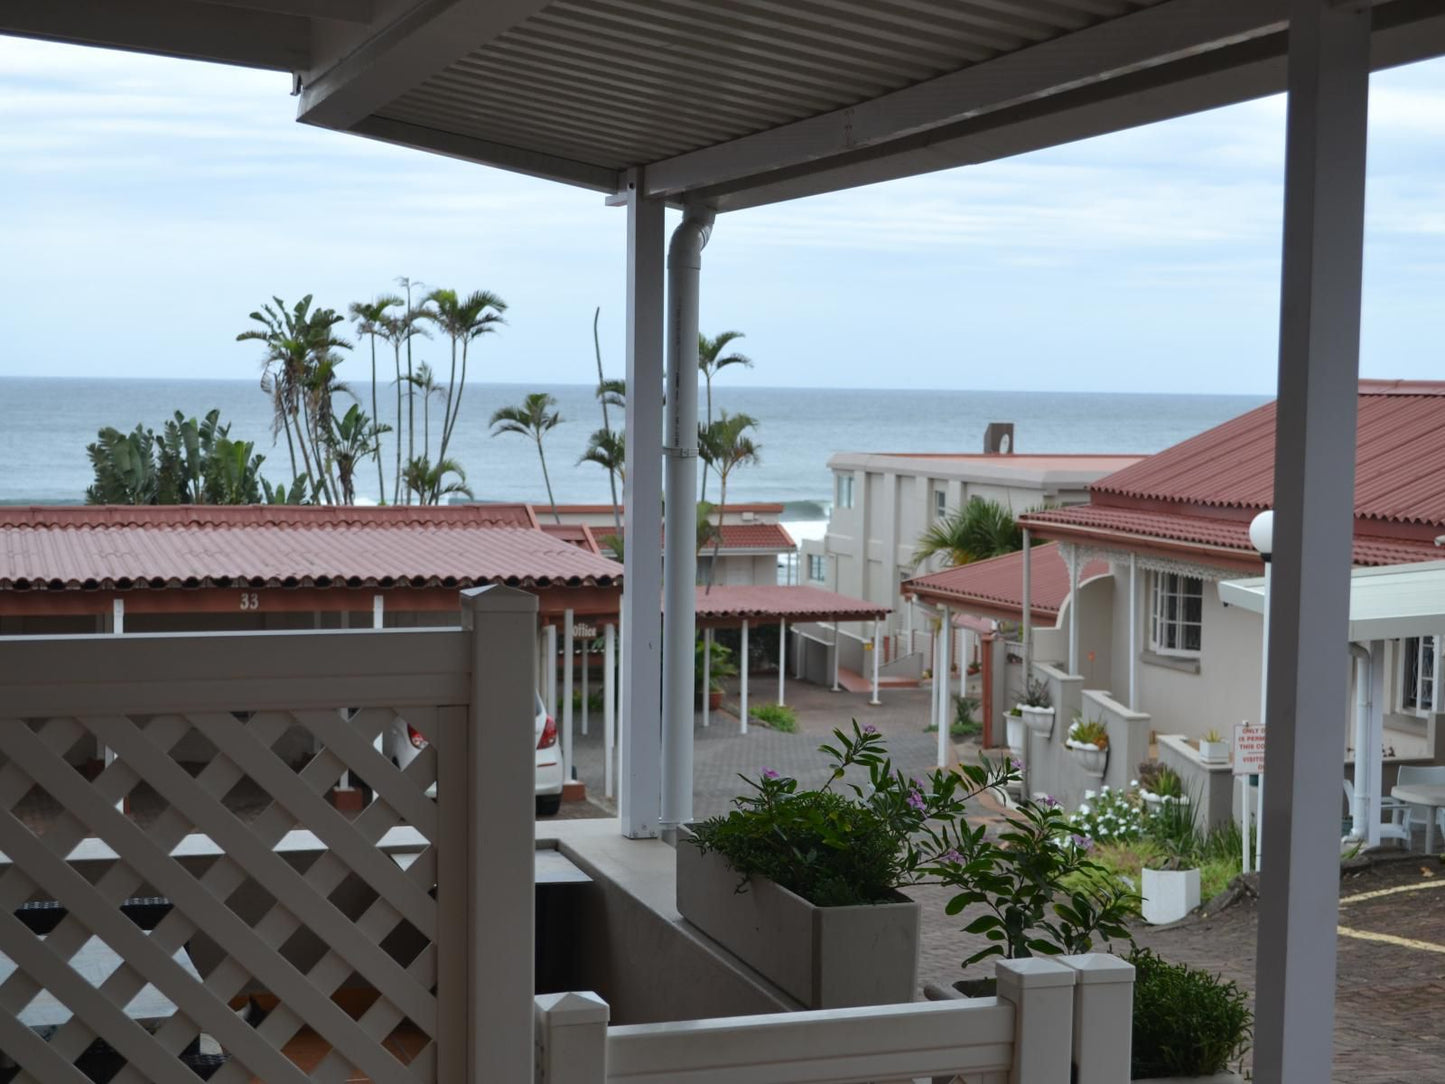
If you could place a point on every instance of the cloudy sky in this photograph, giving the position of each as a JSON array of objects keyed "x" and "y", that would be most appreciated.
[{"x": 147, "y": 205}]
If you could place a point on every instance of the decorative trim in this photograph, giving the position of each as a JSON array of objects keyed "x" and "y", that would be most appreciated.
[{"x": 1149, "y": 563}]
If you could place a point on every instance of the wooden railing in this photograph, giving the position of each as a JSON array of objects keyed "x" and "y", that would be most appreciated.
[{"x": 440, "y": 945}]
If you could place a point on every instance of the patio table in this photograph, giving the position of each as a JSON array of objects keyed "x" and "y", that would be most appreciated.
[{"x": 1426, "y": 794}]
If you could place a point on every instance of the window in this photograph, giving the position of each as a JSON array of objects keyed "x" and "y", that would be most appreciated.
[
  {"x": 1177, "y": 614},
  {"x": 1417, "y": 675},
  {"x": 845, "y": 491},
  {"x": 940, "y": 503},
  {"x": 816, "y": 572}
]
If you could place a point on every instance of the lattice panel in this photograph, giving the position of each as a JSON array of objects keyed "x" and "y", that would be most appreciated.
[{"x": 339, "y": 945}]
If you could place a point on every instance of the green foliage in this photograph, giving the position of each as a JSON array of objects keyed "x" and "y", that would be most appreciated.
[
  {"x": 1089, "y": 732},
  {"x": 1109, "y": 816},
  {"x": 429, "y": 484},
  {"x": 1160, "y": 779},
  {"x": 721, "y": 666},
  {"x": 534, "y": 419},
  {"x": 1187, "y": 1022},
  {"x": 1035, "y": 694},
  {"x": 965, "y": 724},
  {"x": 594, "y": 700},
  {"x": 1040, "y": 892},
  {"x": 836, "y": 848},
  {"x": 778, "y": 716},
  {"x": 975, "y": 532},
  {"x": 189, "y": 462}
]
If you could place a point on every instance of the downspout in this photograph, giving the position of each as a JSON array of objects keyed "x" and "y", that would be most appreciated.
[
  {"x": 679, "y": 553},
  {"x": 1360, "y": 808}
]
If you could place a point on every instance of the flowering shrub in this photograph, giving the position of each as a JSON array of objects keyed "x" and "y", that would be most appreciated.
[
  {"x": 1109, "y": 816},
  {"x": 836, "y": 848}
]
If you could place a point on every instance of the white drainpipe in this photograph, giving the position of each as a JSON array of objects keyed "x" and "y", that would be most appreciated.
[
  {"x": 679, "y": 557},
  {"x": 1360, "y": 813}
]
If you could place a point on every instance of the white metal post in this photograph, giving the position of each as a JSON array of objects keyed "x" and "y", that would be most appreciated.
[
  {"x": 909, "y": 618},
  {"x": 782, "y": 661},
  {"x": 550, "y": 678},
  {"x": 1263, "y": 718},
  {"x": 117, "y": 618},
  {"x": 877, "y": 650},
  {"x": 1042, "y": 993},
  {"x": 743, "y": 687},
  {"x": 586, "y": 643},
  {"x": 571, "y": 1038},
  {"x": 835, "y": 655},
  {"x": 609, "y": 704},
  {"x": 1073, "y": 609},
  {"x": 1133, "y": 632},
  {"x": 640, "y": 737},
  {"x": 570, "y": 662},
  {"x": 933, "y": 699},
  {"x": 378, "y": 611},
  {"x": 1028, "y": 607},
  {"x": 940, "y": 684},
  {"x": 1103, "y": 1017},
  {"x": 706, "y": 676},
  {"x": 1328, "y": 82},
  {"x": 679, "y": 562},
  {"x": 1375, "y": 736}
]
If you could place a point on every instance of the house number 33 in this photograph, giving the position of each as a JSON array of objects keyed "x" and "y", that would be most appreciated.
[{"x": 250, "y": 600}]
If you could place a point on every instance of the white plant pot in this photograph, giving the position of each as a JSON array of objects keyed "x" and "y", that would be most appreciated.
[
  {"x": 1213, "y": 1078},
  {"x": 825, "y": 957},
  {"x": 1039, "y": 720},
  {"x": 1168, "y": 894},
  {"x": 1156, "y": 801},
  {"x": 1214, "y": 752},
  {"x": 1014, "y": 729},
  {"x": 1090, "y": 758}
]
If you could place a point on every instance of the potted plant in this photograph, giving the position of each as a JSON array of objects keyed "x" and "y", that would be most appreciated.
[
  {"x": 1036, "y": 707},
  {"x": 1213, "y": 749},
  {"x": 1089, "y": 741},
  {"x": 803, "y": 885},
  {"x": 721, "y": 666},
  {"x": 1188, "y": 1023},
  {"x": 1170, "y": 888},
  {"x": 1160, "y": 785},
  {"x": 1013, "y": 720},
  {"x": 974, "y": 667}
]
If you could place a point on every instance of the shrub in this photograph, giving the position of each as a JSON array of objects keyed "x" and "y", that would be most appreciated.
[
  {"x": 1187, "y": 1022},
  {"x": 1109, "y": 816},
  {"x": 1089, "y": 732},
  {"x": 778, "y": 716},
  {"x": 1035, "y": 694},
  {"x": 964, "y": 724},
  {"x": 1160, "y": 779}
]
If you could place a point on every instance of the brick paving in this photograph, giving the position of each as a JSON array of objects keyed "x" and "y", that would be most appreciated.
[{"x": 1390, "y": 1002}]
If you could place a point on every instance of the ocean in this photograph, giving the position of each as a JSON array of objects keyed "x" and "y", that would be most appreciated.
[{"x": 46, "y": 423}]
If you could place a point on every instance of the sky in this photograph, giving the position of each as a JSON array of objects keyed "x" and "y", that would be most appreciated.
[{"x": 147, "y": 205}]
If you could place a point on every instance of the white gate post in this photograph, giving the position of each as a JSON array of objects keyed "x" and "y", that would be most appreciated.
[
  {"x": 940, "y": 685},
  {"x": 706, "y": 675},
  {"x": 1103, "y": 1017},
  {"x": 586, "y": 643},
  {"x": 569, "y": 647},
  {"x": 1042, "y": 993},
  {"x": 571, "y": 1038},
  {"x": 609, "y": 704},
  {"x": 782, "y": 660},
  {"x": 877, "y": 650},
  {"x": 743, "y": 687}
]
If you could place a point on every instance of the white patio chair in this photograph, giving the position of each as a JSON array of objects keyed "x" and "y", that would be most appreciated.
[
  {"x": 1397, "y": 811},
  {"x": 1417, "y": 815}
]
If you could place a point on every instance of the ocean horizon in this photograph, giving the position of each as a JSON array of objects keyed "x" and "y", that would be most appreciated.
[{"x": 46, "y": 423}]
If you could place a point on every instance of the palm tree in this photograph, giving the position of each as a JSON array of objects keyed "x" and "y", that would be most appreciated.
[
  {"x": 321, "y": 388},
  {"x": 607, "y": 397},
  {"x": 399, "y": 330},
  {"x": 430, "y": 483},
  {"x": 609, "y": 451},
  {"x": 461, "y": 320},
  {"x": 370, "y": 317},
  {"x": 979, "y": 530},
  {"x": 532, "y": 419},
  {"x": 725, "y": 446},
  {"x": 710, "y": 360},
  {"x": 413, "y": 315},
  {"x": 424, "y": 381},
  {"x": 352, "y": 438}
]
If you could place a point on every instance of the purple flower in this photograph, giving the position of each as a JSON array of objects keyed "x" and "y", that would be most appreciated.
[
  {"x": 915, "y": 799},
  {"x": 1016, "y": 764},
  {"x": 951, "y": 855},
  {"x": 870, "y": 729},
  {"x": 1084, "y": 843},
  {"x": 768, "y": 773},
  {"x": 1050, "y": 802}
]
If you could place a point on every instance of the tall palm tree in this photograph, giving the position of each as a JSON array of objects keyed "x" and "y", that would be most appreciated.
[
  {"x": 724, "y": 445},
  {"x": 979, "y": 530},
  {"x": 352, "y": 438},
  {"x": 370, "y": 317},
  {"x": 414, "y": 313},
  {"x": 399, "y": 330},
  {"x": 607, "y": 398},
  {"x": 430, "y": 483},
  {"x": 532, "y": 419},
  {"x": 461, "y": 319},
  {"x": 608, "y": 450},
  {"x": 320, "y": 390},
  {"x": 710, "y": 361}
]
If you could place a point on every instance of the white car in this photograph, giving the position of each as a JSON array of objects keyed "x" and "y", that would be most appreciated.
[{"x": 402, "y": 742}]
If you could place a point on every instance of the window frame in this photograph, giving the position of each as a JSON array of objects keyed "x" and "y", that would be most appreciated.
[
  {"x": 1165, "y": 587},
  {"x": 820, "y": 565},
  {"x": 844, "y": 494},
  {"x": 940, "y": 503},
  {"x": 1418, "y": 660}
]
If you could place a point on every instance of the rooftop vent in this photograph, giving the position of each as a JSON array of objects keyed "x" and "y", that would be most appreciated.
[{"x": 998, "y": 438}]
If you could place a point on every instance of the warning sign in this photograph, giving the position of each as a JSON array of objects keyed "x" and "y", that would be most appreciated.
[{"x": 1248, "y": 749}]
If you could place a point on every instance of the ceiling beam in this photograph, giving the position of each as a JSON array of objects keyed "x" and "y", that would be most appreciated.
[
  {"x": 1145, "y": 38},
  {"x": 374, "y": 69},
  {"x": 178, "y": 28},
  {"x": 348, "y": 11},
  {"x": 500, "y": 155}
]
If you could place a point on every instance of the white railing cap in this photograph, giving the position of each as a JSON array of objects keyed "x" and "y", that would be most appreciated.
[
  {"x": 572, "y": 1009},
  {"x": 1033, "y": 973},
  {"x": 1092, "y": 967}
]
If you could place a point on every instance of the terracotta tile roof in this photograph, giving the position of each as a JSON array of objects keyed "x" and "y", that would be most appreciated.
[
  {"x": 762, "y": 508},
  {"x": 1228, "y": 538},
  {"x": 1400, "y": 460},
  {"x": 997, "y": 584},
  {"x": 577, "y": 534},
  {"x": 742, "y": 537},
  {"x": 773, "y": 602},
  {"x": 115, "y": 548}
]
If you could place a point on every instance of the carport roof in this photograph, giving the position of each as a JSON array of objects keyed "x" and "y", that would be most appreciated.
[
  {"x": 1387, "y": 603},
  {"x": 765, "y": 603}
]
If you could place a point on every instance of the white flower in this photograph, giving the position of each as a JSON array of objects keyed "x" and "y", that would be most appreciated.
[
  {"x": 1084, "y": 810},
  {"x": 1106, "y": 788},
  {"x": 1088, "y": 795},
  {"x": 1133, "y": 782}
]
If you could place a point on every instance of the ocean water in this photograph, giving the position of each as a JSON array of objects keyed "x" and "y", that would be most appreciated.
[{"x": 46, "y": 423}]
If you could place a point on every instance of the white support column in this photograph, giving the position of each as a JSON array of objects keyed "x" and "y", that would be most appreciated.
[
  {"x": 706, "y": 676},
  {"x": 1073, "y": 609},
  {"x": 1103, "y": 1017},
  {"x": 782, "y": 662},
  {"x": 933, "y": 699},
  {"x": 1133, "y": 632},
  {"x": 1375, "y": 737},
  {"x": 835, "y": 655},
  {"x": 549, "y": 674},
  {"x": 743, "y": 687},
  {"x": 609, "y": 704},
  {"x": 640, "y": 739},
  {"x": 378, "y": 611},
  {"x": 941, "y": 686},
  {"x": 1328, "y": 82},
  {"x": 569, "y": 664},
  {"x": 1028, "y": 607},
  {"x": 586, "y": 643},
  {"x": 1360, "y": 827},
  {"x": 877, "y": 651},
  {"x": 909, "y": 618},
  {"x": 117, "y": 617}
]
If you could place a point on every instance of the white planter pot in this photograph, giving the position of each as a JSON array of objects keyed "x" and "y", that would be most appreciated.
[
  {"x": 1214, "y": 752},
  {"x": 1014, "y": 728},
  {"x": 1213, "y": 1078},
  {"x": 1091, "y": 760},
  {"x": 825, "y": 957},
  {"x": 1039, "y": 720},
  {"x": 1169, "y": 894},
  {"x": 1155, "y": 801}
]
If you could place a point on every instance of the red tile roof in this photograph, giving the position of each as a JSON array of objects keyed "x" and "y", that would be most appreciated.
[
  {"x": 764, "y": 602},
  {"x": 1399, "y": 471},
  {"x": 577, "y": 534},
  {"x": 115, "y": 548},
  {"x": 996, "y": 585},
  {"x": 742, "y": 537},
  {"x": 598, "y": 509}
]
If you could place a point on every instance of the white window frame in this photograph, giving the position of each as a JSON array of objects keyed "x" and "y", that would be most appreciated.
[
  {"x": 1167, "y": 632},
  {"x": 940, "y": 503},
  {"x": 845, "y": 490},
  {"x": 1423, "y": 665},
  {"x": 815, "y": 561}
]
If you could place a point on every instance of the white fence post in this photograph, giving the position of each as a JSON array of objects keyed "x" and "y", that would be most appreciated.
[
  {"x": 571, "y": 1038},
  {"x": 1103, "y": 1017},
  {"x": 496, "y": 869},
  {"x": 1042, "y": 993}
]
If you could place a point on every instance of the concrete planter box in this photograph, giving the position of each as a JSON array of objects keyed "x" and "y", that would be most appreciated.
[
  {"x": 825, "y": 957},
  {"x": 1214, "y": 752},
  {"x": 1039, "y": 720},
  {"x": 1168, "y": 894},
  {"x": 1213, "y": 1078},
  {"x": 1092, "y": 760},
  {"x": 1014, "y": 729}
]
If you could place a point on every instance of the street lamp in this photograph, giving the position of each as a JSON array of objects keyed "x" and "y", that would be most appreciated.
[{"x": 1261, "y": 536}]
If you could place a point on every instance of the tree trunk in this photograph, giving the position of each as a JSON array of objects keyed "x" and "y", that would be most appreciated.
[
  {"x": 376, "y": 421},
  {"x": 396, "y": 482},
  {"x": 447, "y": 410},
  {"x": 546, "y": 479}
]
